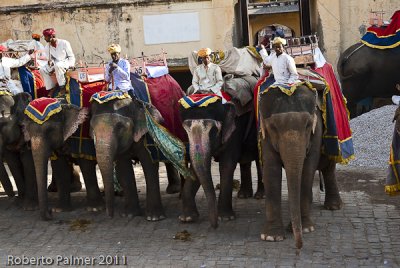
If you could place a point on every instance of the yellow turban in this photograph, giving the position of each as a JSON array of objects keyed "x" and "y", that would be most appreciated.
[
  {"x": 279, "y": 40},
  {"x": 204, "y": 52},
  {"x": 114, "y": 48}
]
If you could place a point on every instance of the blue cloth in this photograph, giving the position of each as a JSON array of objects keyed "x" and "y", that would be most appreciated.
[{"x": 121, "y": 75}]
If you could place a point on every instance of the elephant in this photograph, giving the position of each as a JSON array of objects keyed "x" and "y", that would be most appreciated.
[
  {"x": 14, "y": 151},
  {"x": 51, "y": 136},
  {"x": 215, "y": 131},
  {"x": 291, "y": 138},
  {"x": 119, "y": 129},
  {"x": 367, "y": 72}
]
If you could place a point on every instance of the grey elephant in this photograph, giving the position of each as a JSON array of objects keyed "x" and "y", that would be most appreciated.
[
  {"x": 48, "y": 133},
  {"x": 292, "y": 129},
  {"x": 368, "y": 72},
  {"x": 14, "y": 151},
  {"x": 215, "y": 131},
  {"x": 119, "y": 129}
]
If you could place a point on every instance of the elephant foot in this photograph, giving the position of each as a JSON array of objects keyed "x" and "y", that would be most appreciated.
[
  {"x": 307, "y": 225},
  {"x": 94, "y": 205},
  {"x": 173, "y": 188},
  {"x": 272, "y": 238},
  {"x": 95, "y": 208},
  {"x": 226, "y": 216},
  {"x": 260, "y": 194},
  {"x": 188, "y": 218},
  {"x": 245, "y": 193},
  {"x": 333, "y": 204},
  {"x": 46, "y": 215},
  {"x": 133, "y": 213},
  {"x": 155, "y": 217},
  {"x": 61, "y": 209}
]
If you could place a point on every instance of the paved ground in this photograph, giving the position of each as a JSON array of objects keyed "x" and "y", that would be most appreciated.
[{"x": 365, "y": 233}]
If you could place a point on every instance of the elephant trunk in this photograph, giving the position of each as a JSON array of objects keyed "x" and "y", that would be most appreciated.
[
  {"x": 105, "y": 155},
  {"x": 200, "y": 155},
  {"x": 293, "y": 159},
  {"x": 41, "y": 154}
]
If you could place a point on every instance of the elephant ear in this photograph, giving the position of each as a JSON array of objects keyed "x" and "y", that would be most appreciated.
[
  {"x": 139, "y": 118},
  {"x": 73, "y": 117},
  {"x": 228, "y": 125}
]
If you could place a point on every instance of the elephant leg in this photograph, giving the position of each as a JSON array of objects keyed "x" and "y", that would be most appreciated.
[
  {"x": 190, "y": 212},
  {"x": 246, "y": 185},
  {"x": 174, "y": 181},
  {"x": 309, "y": 168},
  {"x": 227, "y": 167},
  {"x": 5, "y": 181},
  {"x": 260, "y": 185},
  {"x": 61, "y": 169},
  {"x": 31, "y": 194},
  {"x": 154, "y": 208},
  {"x": 332, "y": 196},
  {"x": 14, "y": 163},
  {"x": 93, "y": 195},
  {"x": 76, "y": 184},
  {"x": 126, "y": 177},
  {"x": 272, "y": 176}
]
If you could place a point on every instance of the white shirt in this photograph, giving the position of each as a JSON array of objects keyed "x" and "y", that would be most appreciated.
[
  {"x": 207, "y": 79},
  {"x": 121, "y": 75},
  {"x": 283, "y": 67},
  {"x": 7, "y": 63},
  {"x": 61, "y": 53}
]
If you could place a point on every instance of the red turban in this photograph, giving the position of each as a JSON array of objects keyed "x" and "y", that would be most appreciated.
[
  {"x": 49, "y": 32},
  {"x": 3, "y": 48}
]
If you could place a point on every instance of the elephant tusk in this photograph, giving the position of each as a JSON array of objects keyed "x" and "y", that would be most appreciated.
[{"x": 314, "y": 123}]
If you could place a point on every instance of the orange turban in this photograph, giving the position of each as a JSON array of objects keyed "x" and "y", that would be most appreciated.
[
  {"x": 204, "y": 52},
  {"x": 36, "y": 36},
  {"x": 49, "y": 32}
]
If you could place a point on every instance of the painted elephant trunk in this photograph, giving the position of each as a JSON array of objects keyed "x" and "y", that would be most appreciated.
[
  {"x": 41, "y": 154},
  {"x": 105, "y": 155},
  {"x": 293, "y": 159},
  {"x": 200, "y": 155}
]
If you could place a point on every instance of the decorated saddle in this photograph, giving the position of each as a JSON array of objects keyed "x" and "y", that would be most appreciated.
[
  {"x": 32, "y": 82},
  {"x": 337, "y": 140},
  {"x": 41, "y": 109},
  {"x": 384, "y": 37},
  {"x": 198, "y": 100}
]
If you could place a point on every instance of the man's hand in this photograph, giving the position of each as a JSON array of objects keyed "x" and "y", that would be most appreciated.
[
  {"x": 262, "y": 46},
  {"x": 30, "y": 51},
  {"x": 50, "y": 63},
  {"x": 113, "y": 66}
]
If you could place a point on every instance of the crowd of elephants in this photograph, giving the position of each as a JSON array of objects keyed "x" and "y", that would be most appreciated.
[{"x": 289, "y": 137}]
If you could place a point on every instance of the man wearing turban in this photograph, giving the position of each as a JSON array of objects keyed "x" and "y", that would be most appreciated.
[
  {"x": 39, "y": 50},
  {"x": 207, "y": 77},
  {"x": 59, "y": 58},
  {"x": 6, "y": 63},
  {"x": 118, "y": 71},
  {"x": 283, "y": 65}
]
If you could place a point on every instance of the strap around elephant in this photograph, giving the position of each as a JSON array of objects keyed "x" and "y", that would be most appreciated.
[
  {"x": 40, "y": 110},
  {"x": 106, "y": 96}
]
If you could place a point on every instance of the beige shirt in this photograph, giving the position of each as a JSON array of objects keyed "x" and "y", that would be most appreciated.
[
  {"x": 283, "y": 67},
  {"x": 207, "y": 79}
]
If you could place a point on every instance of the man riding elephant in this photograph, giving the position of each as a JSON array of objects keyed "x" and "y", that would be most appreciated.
[
  {"x": 118, "y": 71},
  {"x": 60, "y": 57},
  {"x": 6, "y": 63},
  {"x": 207, "y": 77},
  {"x": 283, "y": 65}
]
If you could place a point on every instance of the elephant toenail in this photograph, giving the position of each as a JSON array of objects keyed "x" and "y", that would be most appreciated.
[
  {"x": 148, "y": 218},
  {"x": 262, "y": 236}
]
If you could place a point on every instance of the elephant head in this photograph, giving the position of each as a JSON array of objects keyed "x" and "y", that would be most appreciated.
[
  {"x": 208, "y": 128},
  {"x": 368, "y": 72},
  {"x": 117, "y": 125},
  {"x": 291, "y": 138},
  {"x": 47, "y": 137}
]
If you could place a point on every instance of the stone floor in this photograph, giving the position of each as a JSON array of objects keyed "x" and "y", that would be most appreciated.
[{"x": 365, "y": 233}]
